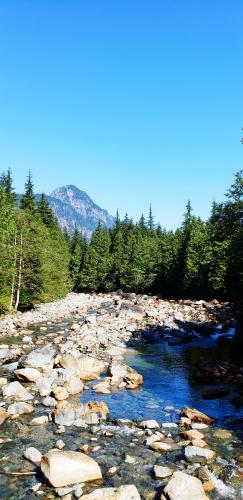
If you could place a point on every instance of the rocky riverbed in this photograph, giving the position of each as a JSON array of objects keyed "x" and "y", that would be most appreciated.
[{"x": 56, "y": 442}]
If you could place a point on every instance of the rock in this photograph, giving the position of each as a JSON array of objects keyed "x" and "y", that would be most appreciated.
[
  {"x": 3, "y": 415},
  {"x": 74, "y": 385},
  {"x": 158, "y": 446},
  {"x": 3, "y": 381},
  {"x": 161, "y": 472},
  {"x": 149, "y": 424},
  {"x": 222, "y": 434},
  {"x": 10, "y": 355},
  {"x": 40, "y": 357},
  {"x": 69, "y": 416},
  {"x": 130, "y": 460},
  {"x": 63, "y": 468},
  {"x": 193, "y": 434},
  {"x": 196, "y": 415},
  {"x": 60, "y": 393},
  {"x": 39, "y": 420},
  {"x": 27, "y": 374},
  {"x": 214, "y": 392},
  {"x": 199, "y": 443},
  {"x": 16, "y": 391},
  {"x": 49, "y": 402},
  {"x": 98, "y": 407},
  {"x": 126, "y": 492},
  {"x": 60, "y": 444},
  {"x": 112, "y": 471},
  {"x": 33, "y": 455},
  {"x": 184, "y": 487},
  {"x": 133, "y": 377},
  {"x": 169, "y": 425},
  {"x": 87, "y": 368},
  {"x": 199, "y": 426},
  {"x": 44, "y": 385},
  {"x": 20, "y": 408},
  {"x": 200, "y": 455}
]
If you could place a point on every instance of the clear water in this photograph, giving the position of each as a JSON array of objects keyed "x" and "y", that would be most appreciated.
[{"x": 168, "y": 381}]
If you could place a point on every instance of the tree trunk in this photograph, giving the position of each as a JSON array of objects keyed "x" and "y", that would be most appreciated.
[
  {"x": 20, "y": 272},
  {"x": 14, "y": 273}
]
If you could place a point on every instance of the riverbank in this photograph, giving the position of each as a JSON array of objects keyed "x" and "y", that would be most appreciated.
[{"x": 49, "y": 370}]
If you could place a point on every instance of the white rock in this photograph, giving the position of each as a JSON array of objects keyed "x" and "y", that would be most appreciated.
[
  {"x": 27, "y": 374},
  {"x": 149, "y": 424},
  {"x": 33, "y": 455},
  {"x": 184, "y": 487},
  {"x": 161, "y": 472},
  {"x": 200, "y": 455},
  {"x": 17, "y": 392},
  {"x": 20, "y": 408},
  {"x": 63, "y": 468},
  {"x": 39, "y": 420}
]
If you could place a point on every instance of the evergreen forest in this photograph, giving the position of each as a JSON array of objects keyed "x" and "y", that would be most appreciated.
[{"x": 39, "y": 262}]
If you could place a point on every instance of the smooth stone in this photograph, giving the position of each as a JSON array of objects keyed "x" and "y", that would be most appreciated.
[
  {"x": 184, "y": 487},
  {"x": 49, "y": 401},
  {"x": 3, "y": 381},
  {"x": 33, "y": 455},
  {"x": 16, "y": 391},
  {"x": 222, "y": 434},
  {"x": 27, "y": 374},
  {"x": 40, "y": 357},
  {"x": 60, "y": 393},
  {"x": 158, "y": 446},
  {"x": 149, "y": 424},
  {"x": 125, "y": 492},
  {"x": 63, "y": 468},
  {"x": 196, "y": 415},
  {"x": 39, "y": 420},
  {"x": 86, "y": 367},
  {"x": 20, "y": 408},
  {"x": 169, "y": 425},
  {"x": 193, "y": 434},
  {"x": 161, "y": 472},
  {"x": 199, "y": 426},
  {"x": 200, "y": 455}
]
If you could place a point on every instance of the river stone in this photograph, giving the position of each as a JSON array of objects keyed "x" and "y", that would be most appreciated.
[
  {"x": 149, "y": 424},
  {"x": 63, "y": 468},
  {"x": 68, "y": 416},
  {"x": 158, "y": 446},
  {"x": 184, "y": 487},
  {"x": 49, "y": 402},
  {"x": 16, "y": 391},
  {"x": 3, "y": 415},
  {"x": 43, "y": 419},
  {"x": 20, "y": 408},
  {"x": 126, "y": 492},
  {"x": 193, "y": 434},
  {"x": 27, "y": 374},
  {"x": 60, "y": 393},
  {"x": 86, "y": 367},
  {"x": 74, "y": 385},
  {"x": 33, "y": 455},
  {"x": 40, "y": 357},
  {"x": 200, "y": 455},
  {"x": 196, "y": 415},
  {"x": 10, "y": 355},
  {"x": 161, "y": 472}
]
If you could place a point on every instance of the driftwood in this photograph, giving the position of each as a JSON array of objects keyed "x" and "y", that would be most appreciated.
[{"x": 30, "y": 473}]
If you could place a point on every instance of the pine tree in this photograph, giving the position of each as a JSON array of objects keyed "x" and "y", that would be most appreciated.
[
  {"x": 45, "y": 212},
  {"x": 96, "y": 265},
  {"x": 28, "y": 199}
]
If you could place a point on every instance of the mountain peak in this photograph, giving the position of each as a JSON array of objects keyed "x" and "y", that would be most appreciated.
[{"x": 75, "y": 209}]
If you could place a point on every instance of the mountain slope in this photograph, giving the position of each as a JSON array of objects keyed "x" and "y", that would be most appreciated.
[{"x": 74, "y": 208}]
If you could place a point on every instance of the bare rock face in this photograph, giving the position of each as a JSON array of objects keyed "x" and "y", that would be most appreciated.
[
  {"x": 17, "y": 392},
  {"x": 62, "y": 468},
  {"x": 184, "y": 487},
  {"x": 126, "y": 492},
  {"x": 196, "y": 415},
  {"x": 86, "y": 367},
  {"x": 40, "y": 357}
]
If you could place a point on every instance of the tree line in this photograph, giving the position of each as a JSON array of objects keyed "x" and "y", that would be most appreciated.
[{"x": 39, "y": 262}]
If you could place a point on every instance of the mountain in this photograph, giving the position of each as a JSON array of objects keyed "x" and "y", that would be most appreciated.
[{"x": 74, "y": 208}]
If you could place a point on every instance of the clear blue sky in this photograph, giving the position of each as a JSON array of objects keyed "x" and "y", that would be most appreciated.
[{"x": 133, "y": 101}]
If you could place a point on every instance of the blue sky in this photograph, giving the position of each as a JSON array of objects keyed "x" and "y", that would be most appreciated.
[{"x": 133, "y": 101}]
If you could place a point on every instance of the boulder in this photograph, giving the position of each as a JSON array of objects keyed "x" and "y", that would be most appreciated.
[
  {"x": 27, "y": 374},
  {"x": 33, "y": 455},
  {"x": 149, "y": 424},
  {"x": 86, "y": 367},
  {"x": 196, "y": 415},
  {"x": 184, "y": 487},
  {"x": 43, "y": 419},
  {"x": 16, "y": 391},
  {"x": 161, "y": 472},
  {"x": 200, "y": 455},
  {"x": 3, "y": 415},
  {"x": 193, "y": 434},
  {"x": 63, "y": 468},
  {"x": 20, "y": 408},
  {"x": 10, "y": 355},
  {"x": 126, "y": 492},
  {"x": 159, "y": 446},
  {"x": 40, "y": 357}
]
